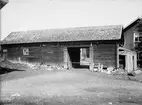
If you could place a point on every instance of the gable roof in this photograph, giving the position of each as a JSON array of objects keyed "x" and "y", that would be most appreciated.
[
  {"x": 66, "y": 34},
  {"x": 132, "y": 24}
]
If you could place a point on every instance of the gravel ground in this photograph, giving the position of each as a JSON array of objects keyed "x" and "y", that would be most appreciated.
[{"x": 69, "y": 88}]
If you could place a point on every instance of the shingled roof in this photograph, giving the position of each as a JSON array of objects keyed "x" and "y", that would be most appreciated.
[{"x": 67, "y": 34}]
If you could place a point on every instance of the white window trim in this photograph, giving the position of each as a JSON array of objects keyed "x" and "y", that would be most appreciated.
[
  {"x": 135, "y": 36},
  {"x": 25, "y": 51}
]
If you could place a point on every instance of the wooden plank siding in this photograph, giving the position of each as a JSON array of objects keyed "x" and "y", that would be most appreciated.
[
  {"x": 56, "y": 53},
  {"x": 105, "y": 54},
  {"x": 13, "y": 53},
  {"x": 48, "y": 54},
  {"x": 34, "y": 54},
  {"x": 52, "y": 55}
]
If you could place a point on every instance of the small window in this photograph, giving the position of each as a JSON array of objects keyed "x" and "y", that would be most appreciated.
[
  {"x": 25, "y": 51},
  {"x": 136, "y": 37}
]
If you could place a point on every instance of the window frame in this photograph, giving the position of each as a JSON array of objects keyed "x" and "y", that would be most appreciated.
[{"x": 25, "y": 51}]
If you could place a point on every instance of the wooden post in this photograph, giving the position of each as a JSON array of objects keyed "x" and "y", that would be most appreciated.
[
  {"x": 91, "y": 57},
  {"x": 126, "y": 62},
  {"x": 131, "y": 62},
  {"x": 117, "y": 55},
  {"x": 65, "y": 58},
  {"x": 135, "y": 62},
  {"x": 41, "y": 62},
  {"x": 129, "y": 66}
]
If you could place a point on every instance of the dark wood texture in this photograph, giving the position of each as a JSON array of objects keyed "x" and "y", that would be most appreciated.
[
  {"x": 105, "y": 54},
  {"x": 34, "y": 54},
  {"x": 49, "y": 54},
  {"x": 52, "y": 55},
  {"x": 13, "y": 52}
]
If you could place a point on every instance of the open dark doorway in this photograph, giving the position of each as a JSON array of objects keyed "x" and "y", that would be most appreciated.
[
  {"x": 75, "y": 55},
  {"x": 122, "y": 61}
]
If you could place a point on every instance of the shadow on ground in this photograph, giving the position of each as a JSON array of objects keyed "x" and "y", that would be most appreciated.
[
  {"x": 6, "y": 70},
  {"x": 9, "y": 74}
]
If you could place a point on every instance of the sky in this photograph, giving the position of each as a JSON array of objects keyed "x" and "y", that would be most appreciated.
[{"x": 23, "y": 15}]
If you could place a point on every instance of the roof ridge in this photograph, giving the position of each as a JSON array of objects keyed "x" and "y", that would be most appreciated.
[{"x": 68, "y": 28}]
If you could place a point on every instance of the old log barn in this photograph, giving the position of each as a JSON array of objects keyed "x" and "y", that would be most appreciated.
[{"x": 69, "y": 47}]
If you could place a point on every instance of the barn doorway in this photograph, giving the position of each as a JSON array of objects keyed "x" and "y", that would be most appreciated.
[
  {"x": 122, "y": 63},
  {"x": 79, "y": 57}
]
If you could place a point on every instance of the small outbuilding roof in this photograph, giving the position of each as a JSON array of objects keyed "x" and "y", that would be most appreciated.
[{"x": 66, "y": 34}]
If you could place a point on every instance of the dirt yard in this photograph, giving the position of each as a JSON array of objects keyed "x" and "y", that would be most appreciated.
[{"x": 77, "y": 87}]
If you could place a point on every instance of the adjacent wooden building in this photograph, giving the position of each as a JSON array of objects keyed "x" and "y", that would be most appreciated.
[
  {"x": 65, "y": 47},
  {"x": 133, "y": 39}
]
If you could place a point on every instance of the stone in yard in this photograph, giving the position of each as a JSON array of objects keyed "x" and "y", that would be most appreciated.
[
  {"x": 15, "y": 95},
  {"x": 49, "y": 68},
  {"x": 138, "y": 71},
  {"x": 110, "y": 103},
  {"x": 109, "y": 70}
]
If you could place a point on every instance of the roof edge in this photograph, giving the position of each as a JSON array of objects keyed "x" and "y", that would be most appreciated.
[
  {"x": 120, "y": 27},
  {"x": 66, "y": 28},
  {"x": 121, "y": 31},
  {"x": 132, "y": 22}
]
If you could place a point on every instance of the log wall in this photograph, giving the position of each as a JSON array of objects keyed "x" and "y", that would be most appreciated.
[
  {"x": 13, "y": 53},
  {"x": 49, "y": 54},
  {"x": 105, "y": 54},
  {"x": 53, "y": 53}
]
